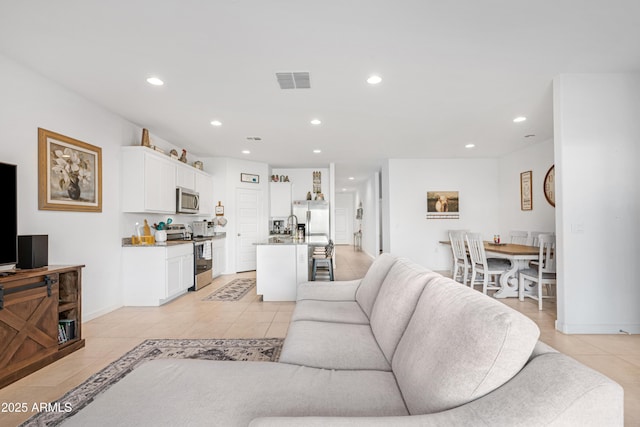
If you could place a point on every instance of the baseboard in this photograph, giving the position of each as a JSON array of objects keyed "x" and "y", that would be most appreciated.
[
  {"x": 90, "y": 316},
  {"x": 567, "y": 328}
]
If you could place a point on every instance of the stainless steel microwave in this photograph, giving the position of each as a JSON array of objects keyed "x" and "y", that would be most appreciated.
[{"x": 187, "y": 201}]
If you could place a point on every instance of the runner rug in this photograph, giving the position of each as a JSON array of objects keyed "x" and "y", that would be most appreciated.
[
  {"x": 259, "y": 349},
  {"x": 232, "y": 291}
]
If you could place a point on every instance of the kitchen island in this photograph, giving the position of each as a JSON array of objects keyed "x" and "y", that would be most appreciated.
[{"x": 283, "y": 262}]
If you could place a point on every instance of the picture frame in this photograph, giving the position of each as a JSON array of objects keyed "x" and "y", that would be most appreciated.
[
  {"x": 69, "y": 174},
  {"x": 248, "y": 177},
  {"x": 443, "y": 205},
  {"x": 526, "y": 198}
]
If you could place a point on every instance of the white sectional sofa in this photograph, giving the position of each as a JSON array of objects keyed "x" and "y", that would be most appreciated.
[{"x": 403, "y": 346}]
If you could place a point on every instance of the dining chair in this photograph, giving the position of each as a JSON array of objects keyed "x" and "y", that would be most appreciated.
[
  {"x": 461, "y": 263},
  {"x": 542, "y": 274},
  {"x": 518, "y": 237},
  {"x": 323, "y": 258},
  {"x": 535, "y": 234},
  {"x": 536, "y": 242},
  {"x": 492, "y": 267}
]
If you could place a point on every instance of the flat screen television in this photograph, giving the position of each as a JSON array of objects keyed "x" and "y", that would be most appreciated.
[{"x": 9, "y": 233}]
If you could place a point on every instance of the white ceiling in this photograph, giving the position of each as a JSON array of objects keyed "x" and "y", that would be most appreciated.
[{"x": 454, "y": 71}]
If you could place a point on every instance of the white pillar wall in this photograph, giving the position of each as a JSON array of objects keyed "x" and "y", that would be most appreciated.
[{"x": 597, "y": 135}]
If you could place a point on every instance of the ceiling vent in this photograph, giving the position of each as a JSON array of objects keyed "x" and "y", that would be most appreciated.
[
  {"x": 254, "y": 138},
  {"x": 300, "y": 80}
]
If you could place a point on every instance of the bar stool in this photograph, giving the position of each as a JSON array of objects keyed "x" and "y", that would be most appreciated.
[{"x": 323, "y": 258}]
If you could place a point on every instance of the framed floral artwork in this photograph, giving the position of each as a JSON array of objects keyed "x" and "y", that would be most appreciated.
[{"x": 69, "y": 174}]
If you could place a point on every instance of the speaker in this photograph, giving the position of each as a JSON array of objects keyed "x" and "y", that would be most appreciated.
[{"x": 33, "y": 251}]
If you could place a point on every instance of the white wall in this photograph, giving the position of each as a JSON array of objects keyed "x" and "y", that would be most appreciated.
[
  {"x": 597, "y": 135},
  {"x": 29, "y": 101},
  {"x": 368, "y": 194},
  {"x": 346, "y": 201},
  {"x": 537, "y": 158},
  {"x": 412, "y": 235},
  {"x": 226, "y": 180},
  {"x": 302, "y": 181}
]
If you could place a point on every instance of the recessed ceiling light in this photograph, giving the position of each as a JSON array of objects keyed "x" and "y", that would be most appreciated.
[
  {"x": 344, "y": 189},
  {"x": 351, "y": 178},
  {"x": 315, "y": 122},
  {"x": 469, "y": 145},
  {"x": 519, "y": 119},
  {"x": 317, "y": 151},
  {"x": 246, "y": 152},
  {"x": 374, "y": 80},
  {"x": 155, "y": 81},
  {"x": 216, "y": 123}
]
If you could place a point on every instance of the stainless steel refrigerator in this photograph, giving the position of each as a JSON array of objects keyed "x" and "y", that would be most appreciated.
[{"x": 314, "y": 214}]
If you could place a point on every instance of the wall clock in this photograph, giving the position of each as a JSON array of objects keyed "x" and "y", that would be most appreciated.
[{"x": 550, "y": 186}]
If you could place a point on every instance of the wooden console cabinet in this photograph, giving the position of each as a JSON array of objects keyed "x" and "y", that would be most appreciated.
[{"x": 32, "y": 305}]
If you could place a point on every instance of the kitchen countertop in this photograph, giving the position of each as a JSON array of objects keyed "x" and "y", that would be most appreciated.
[
  {"x": 288, "y": 240},
  {"x": 126, "y": 241}
]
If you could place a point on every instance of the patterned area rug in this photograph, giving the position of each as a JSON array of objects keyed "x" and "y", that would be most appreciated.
[
  {"x": 232, "y": 291},
  {"x": 259, "y": 349}
]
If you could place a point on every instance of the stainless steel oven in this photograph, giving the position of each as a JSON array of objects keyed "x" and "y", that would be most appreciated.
[{"x": 203, "y": 262}]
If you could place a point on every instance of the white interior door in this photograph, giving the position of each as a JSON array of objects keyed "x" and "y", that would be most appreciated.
[
  {"x": 341, "y": 227},
  {"x": 247, "y": 214}
]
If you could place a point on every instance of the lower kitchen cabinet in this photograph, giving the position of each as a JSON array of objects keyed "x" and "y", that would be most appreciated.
[
  {"x": 219, "y": 256},
  {"x": 280, "y": 268},
  {"x": 154, "y": 275}
]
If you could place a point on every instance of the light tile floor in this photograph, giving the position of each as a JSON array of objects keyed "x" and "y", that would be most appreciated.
[{"x": 111, "y": 335}]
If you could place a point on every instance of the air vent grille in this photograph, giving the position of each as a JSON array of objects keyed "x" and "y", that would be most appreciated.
[{"x": 297, "y": 80}]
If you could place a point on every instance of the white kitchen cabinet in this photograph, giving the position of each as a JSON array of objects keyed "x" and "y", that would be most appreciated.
[
  {"x": 154, "y": 275},
  {"x": 219, "y": 256},
  {"x": 280, "y": 197},
  {"x": 186, "y": 176},
  {"x": 204, "y": 187},
  {"x": 148, "y": 182},
  {"x": 280, "y": 268}
]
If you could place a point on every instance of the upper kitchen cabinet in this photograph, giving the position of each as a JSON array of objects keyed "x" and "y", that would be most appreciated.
[
  {"x": 148, "y": 181},
  {"x": 186, "y": 177},
  {"x": 204, "y": 187},
  {"x": 280, "y": 199}
]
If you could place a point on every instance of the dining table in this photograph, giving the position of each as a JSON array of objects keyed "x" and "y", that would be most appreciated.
[{"x": 518, "y": 255}]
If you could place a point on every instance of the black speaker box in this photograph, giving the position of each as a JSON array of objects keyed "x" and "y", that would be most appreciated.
[{"x": 33, "y": 251}]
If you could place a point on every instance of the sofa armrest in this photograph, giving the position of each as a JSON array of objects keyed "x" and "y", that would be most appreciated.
[{"x": 328, "y": 291}]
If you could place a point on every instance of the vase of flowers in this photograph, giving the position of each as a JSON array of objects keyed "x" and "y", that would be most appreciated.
[{"x": 72, "y": 171}]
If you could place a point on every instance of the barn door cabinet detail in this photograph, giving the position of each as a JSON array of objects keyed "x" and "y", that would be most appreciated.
[{"x": 40, "y": 319}]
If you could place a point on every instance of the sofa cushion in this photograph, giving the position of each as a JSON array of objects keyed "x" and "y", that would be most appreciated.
[
  {"x": 330, "y": 311},
  {"x": 332, "y": 346},
  {"x": 396, "y": 302},
  {"x": 371, "y": 282},
  {"x": 183, "y": 392},
  {"x": 328, "y": 291},
  {"x": 459, "y": 346}
]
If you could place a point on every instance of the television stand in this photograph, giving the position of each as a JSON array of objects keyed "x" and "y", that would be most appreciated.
[{"x": 40, "y": 318}]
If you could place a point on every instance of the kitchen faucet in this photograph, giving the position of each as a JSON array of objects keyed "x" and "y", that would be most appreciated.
[{"x": 292, "y": 230}]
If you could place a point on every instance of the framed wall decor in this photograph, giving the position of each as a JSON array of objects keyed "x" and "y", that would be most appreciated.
[
  {"x": 443, "y": 205},
  {"x": 69, "y": 174},
  {"x": 550, "y": 186},
  {"x": 247, "y": 177},
  {"x": 526, "y": 199}
]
